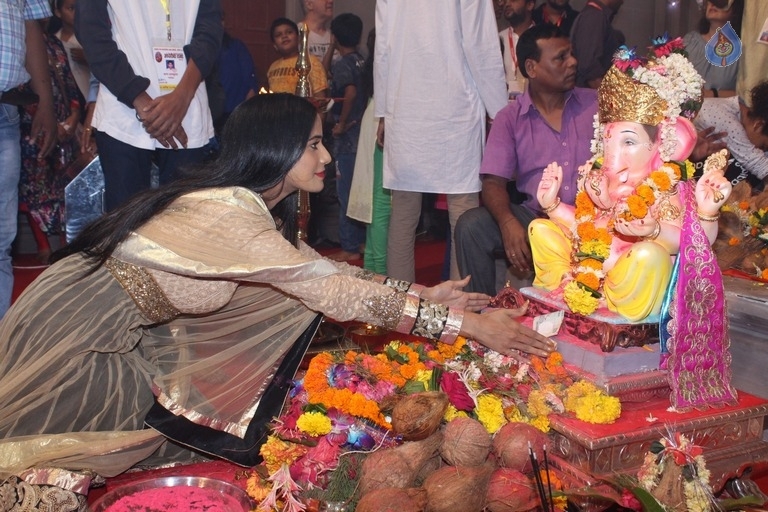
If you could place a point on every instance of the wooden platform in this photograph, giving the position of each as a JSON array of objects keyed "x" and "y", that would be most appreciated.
[{"x": 731, "y": 438}]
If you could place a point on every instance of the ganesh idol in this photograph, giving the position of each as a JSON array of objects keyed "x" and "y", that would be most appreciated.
[{"x": 638, "y": 240}]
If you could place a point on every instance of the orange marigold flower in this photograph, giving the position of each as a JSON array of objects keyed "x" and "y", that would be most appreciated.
[
  {"x": 637, "y": 207},
  {"x": 586, "y": 231},
  {"x": 753, "y": 231},
  {"x": 662, "y": 181},
  {"x": 584, "y": 205},
  {"x": 733, "y": 241},
  {"x": 744, "y": 205},
  {"x": 604, "y": 236},
  {"x": 591, "y": 263},
  {"x": 588, "y": 279},
  {"x": 764, "y": 274},
  {"x": 537, "y": 364},
  {"x": 646, "y": 193},
  {"x": 554, "y": 359}
]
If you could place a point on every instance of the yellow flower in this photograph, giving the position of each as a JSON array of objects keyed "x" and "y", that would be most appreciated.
[
  {"x": 452, "y": 413},
  {"x": 690, "y": 170},
  {"x": 423, "y": 376},
  {"x": 257, "y": 488},
  {"x": 579, "y": 301},
  {"x": 490, "y": 412},
  {"x": 277, "y": 452},
  {"x": 537, "y": 404},
  {"x": 591, "y": 404},
  {"x": 541, "y": 423},
  {"x": 513, "y": 414},
  {"x": 314, "y": 423},
  {"x": 596, "y": 248}
]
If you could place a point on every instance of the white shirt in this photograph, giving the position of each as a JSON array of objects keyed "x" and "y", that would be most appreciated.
[
  {"x": 437, "y": 73},
  {"x": 136, "y": 28},
  {"x": 80, "y": 71},
  {"x": 515, "y": 81},
  {"x": 725, "y": 115}
]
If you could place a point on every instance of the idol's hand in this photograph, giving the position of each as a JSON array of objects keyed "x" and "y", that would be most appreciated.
[
  {"x": 641, "y": 228},
  {"x": 549, "y": 186},
  {"x": 451, "y": 293},
  {"x": 499, "y": 330},
  {"x": 713, "y": 189},
  {"x": 595, "y": 184}
]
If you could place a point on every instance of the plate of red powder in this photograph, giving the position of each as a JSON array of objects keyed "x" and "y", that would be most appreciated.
[{"x": 189, "y": 493}]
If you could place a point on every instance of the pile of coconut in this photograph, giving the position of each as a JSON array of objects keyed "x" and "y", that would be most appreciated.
[{"x": 452, "y": 466}]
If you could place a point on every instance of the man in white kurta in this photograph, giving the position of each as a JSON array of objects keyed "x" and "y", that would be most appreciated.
[{"x": 438, "y": 72}]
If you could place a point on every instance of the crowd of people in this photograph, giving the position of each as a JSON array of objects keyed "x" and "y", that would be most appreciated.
[{"x": 177, "y": 283}]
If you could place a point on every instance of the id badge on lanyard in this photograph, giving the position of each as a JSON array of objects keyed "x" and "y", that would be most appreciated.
[{"x": 168, "y": 55}]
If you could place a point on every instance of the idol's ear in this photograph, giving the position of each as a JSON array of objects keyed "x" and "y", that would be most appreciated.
[{"x": 685, "y": 137}]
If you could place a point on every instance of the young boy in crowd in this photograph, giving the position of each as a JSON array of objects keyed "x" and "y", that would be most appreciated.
[
  {"x": 282, "y": 75},
  {"x": 347, "y": 91}
]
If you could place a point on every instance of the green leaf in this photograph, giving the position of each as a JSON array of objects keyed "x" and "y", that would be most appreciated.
[
  {"x": 414, "y": 386},
  {"x": 585, "y": 256},
  {"x": 646, "y": 499},
  {"x": 592, "y": 292},
  {"x": 434, "y": 381},
  {"x": 314, "y": 408},
  {"x": 738, "y": 504}
]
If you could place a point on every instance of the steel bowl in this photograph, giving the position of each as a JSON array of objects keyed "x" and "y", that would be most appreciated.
[{"x": 240, "y": 496}]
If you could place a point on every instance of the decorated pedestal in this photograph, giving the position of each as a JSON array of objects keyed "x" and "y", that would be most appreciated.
[
  {"x": 610, "y": 353},
  {"x": 731, "y": 438}
]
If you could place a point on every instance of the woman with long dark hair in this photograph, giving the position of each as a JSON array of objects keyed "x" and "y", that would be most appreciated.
[{"x": 184, "y": 310}]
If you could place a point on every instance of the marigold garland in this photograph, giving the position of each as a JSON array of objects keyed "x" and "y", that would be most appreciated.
[{"x": 592, "y": 245}]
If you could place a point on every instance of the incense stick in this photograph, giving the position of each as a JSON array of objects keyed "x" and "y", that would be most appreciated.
[
  {"x": 537, "y": 477},
  {"x": 549, "y": 484}
]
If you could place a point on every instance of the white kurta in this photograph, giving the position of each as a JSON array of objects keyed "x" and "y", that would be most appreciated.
[{"x": 438, "y": 70}]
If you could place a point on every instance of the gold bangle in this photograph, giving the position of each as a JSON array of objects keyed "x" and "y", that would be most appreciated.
[
  {"x": 552, "y": 207},
  {"x": 656, "y": 232},
  {"x": 708, "y": 218}
]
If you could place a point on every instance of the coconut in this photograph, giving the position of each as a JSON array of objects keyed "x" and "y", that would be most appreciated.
[
  {"x": 511, "y": 442},
  {"x": 465, "y": 443},
  {"x": 419, "y": 415},
  {"x": 510, "y": 491},
  {"x": 399, "y": 466},
  {"x": 453, "y": 488},
  {"x": 393, "y": 500}
]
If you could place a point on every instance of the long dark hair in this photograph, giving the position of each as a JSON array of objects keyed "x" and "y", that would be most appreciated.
[
  {"x": 262, "y": 140},
  {"x": 737, "y": 11}
]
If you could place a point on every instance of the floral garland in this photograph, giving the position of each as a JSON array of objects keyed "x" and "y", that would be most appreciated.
[
  {"x": 680, "y": 451},
  {"x": 340, "y": 407},
  {"x": 592, "y": 245},
  {"x": 672, "y": 76}
]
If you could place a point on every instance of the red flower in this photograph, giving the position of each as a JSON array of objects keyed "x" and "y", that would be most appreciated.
[
  {"x": 457, "y": 393},
  {"x": 628, "y": 500}
]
